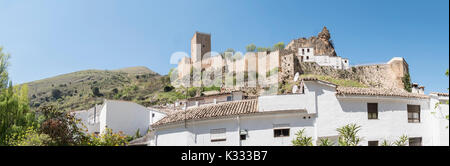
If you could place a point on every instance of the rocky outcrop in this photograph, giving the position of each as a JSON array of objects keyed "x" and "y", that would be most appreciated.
[{"x": 321, "y": 43}]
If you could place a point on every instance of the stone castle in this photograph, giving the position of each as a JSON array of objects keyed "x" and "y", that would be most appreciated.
[{"x": 314, "y": 55}]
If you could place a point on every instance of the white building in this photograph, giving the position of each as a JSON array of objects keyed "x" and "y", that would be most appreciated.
[
  {"x": 383, "y": 114},
  {"x": 307, "y": 55},
  {"x": 127, "y": 117}
]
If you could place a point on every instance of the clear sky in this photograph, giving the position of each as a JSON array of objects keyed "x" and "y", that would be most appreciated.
[{"x": 50, "y": 37}]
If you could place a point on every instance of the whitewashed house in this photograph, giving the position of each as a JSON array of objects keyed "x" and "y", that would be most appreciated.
[
  {"x": 307, "y": 55},
  {"x": 124, "y": 116},
  {"x": 321, "y": 108}
]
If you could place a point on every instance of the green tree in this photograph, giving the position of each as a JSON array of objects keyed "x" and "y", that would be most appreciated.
[
  {"x": 3, "y": 69},
  {"x": 263, "y": 49},
  {"x": 15, "y": 114},
  {"x": 301, "y": 139},
  {"x": 56, "y": 94},
  {"x": 407, "y": 82},
  {"x": 251, "y": 48},
  {"x": 96, "y": 92},
  {"x": 348, "y": 135},
  {"x": 230, "y": 50},
  {"x": 278, "y": 46}
]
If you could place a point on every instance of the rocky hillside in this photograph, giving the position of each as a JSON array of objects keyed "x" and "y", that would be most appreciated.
[
  {"x": 83, "y": 89},
  {"x": 321, "y": 43}
]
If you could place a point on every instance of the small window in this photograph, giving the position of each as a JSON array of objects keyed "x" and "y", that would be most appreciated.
[
  {"x": 281, "y": 130},
  {"x": 243, "y": 137},
  {"x": 303, "y": 51},
  {"x": 307, "y": 50},
  {"x": 413, "y": 113},
  {"x": 203, "y": 46},
  {"x": 229, "y": 98},
  {"x": 307, "y": 57},
  {"x": 243, "y": 134},
  {"x": 153, "y": 115},
  {"x": 415, "y": 141},
  {"x": 372, "y": 110},
  {"x": 218, "y": 135},
  {"x": 373, "y": 143}
]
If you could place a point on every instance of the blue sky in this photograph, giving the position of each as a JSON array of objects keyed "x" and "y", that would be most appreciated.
[{"x": 50, "y": 37}]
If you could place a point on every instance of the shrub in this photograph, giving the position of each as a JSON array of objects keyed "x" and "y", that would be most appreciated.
[
  {"x": 56, "y": 94},
  {"x": 107, "y": 139},
  {"x": 250, "y": 48},
  {"x": 302, "y": 140},
  {"x": 348, "y": 135},
  {"x": 31, "y": 138},
  {"x": 325, "y": 142}
]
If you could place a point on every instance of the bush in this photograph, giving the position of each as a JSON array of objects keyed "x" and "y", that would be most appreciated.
[
  {"x": 31, "y": 138},
  {"x": 96, "y": 92},
  {"x": 107, "y": 139},
  {"x": 348, "y": 135},
  {"x": 302, "y": 140},
  {"x": 56, "y": 94}
]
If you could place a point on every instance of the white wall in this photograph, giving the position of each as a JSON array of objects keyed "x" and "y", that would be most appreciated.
[
  {"x": 259, "y": 127},
  {"x": 331, "y": 112},
  {"x": 124, "y": 116}
]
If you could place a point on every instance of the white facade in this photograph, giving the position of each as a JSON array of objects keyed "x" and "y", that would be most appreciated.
[
  {"x": 307, "y": 55},
  {"x": 320, "y": 112},
  {"x": 120, "y": 116}
]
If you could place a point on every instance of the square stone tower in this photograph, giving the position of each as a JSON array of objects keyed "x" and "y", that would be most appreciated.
[{"x": 200, "y": 46}]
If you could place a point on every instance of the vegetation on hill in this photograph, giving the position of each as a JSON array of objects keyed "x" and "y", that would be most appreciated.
[
  {"x": 337, "y": 81},
  {"x": 82, "y": 90}
]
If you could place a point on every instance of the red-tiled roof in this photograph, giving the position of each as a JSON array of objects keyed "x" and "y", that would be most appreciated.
[
  {"x": 342, "y": 91},
  {"x": 212, "y": 111},
  {"x": 440, "y": 94}
]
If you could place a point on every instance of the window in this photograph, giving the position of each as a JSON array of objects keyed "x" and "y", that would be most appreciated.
[
  {"x": 307, "y": 50},
  {"x": 415, "y": 141},
  {"x": 281, "y": 130},
  {"x": 229, "y": 98},
  {"x": 303, "y": 51},
  {"x": 373, "y": 143},
  {"x": 218, "y": 135},
  {"x": 372, "y": 110},
  {"x": 243, "y": 134},
  {"x": 153, "y": 115},
  {"x": 307, "y": 57},
  {"x": 413, "y": 113}
]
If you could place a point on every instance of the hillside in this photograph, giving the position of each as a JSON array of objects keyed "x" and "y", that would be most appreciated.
[{"x": 83, "y": 89}]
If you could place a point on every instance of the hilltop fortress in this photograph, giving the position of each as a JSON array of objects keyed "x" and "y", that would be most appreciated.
[{"x": 315, "y": 55}]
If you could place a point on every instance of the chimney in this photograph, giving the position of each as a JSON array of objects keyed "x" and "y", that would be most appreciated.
[
  {"x": 415, "y": 88},
  {"x": 421, "y": 90}
]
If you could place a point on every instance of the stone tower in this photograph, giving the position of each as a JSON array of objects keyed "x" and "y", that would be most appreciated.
[{"x": 200, "y": 46}]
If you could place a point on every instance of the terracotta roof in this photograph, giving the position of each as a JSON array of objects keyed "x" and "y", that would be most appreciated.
[
  {"x": 440, "y": 94},
  {"x": 377, "y": 92},
  {"x": 212, "y": 111}
]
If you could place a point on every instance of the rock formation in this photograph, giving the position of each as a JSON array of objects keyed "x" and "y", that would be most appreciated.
[{"x": 321, "y": 43}]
